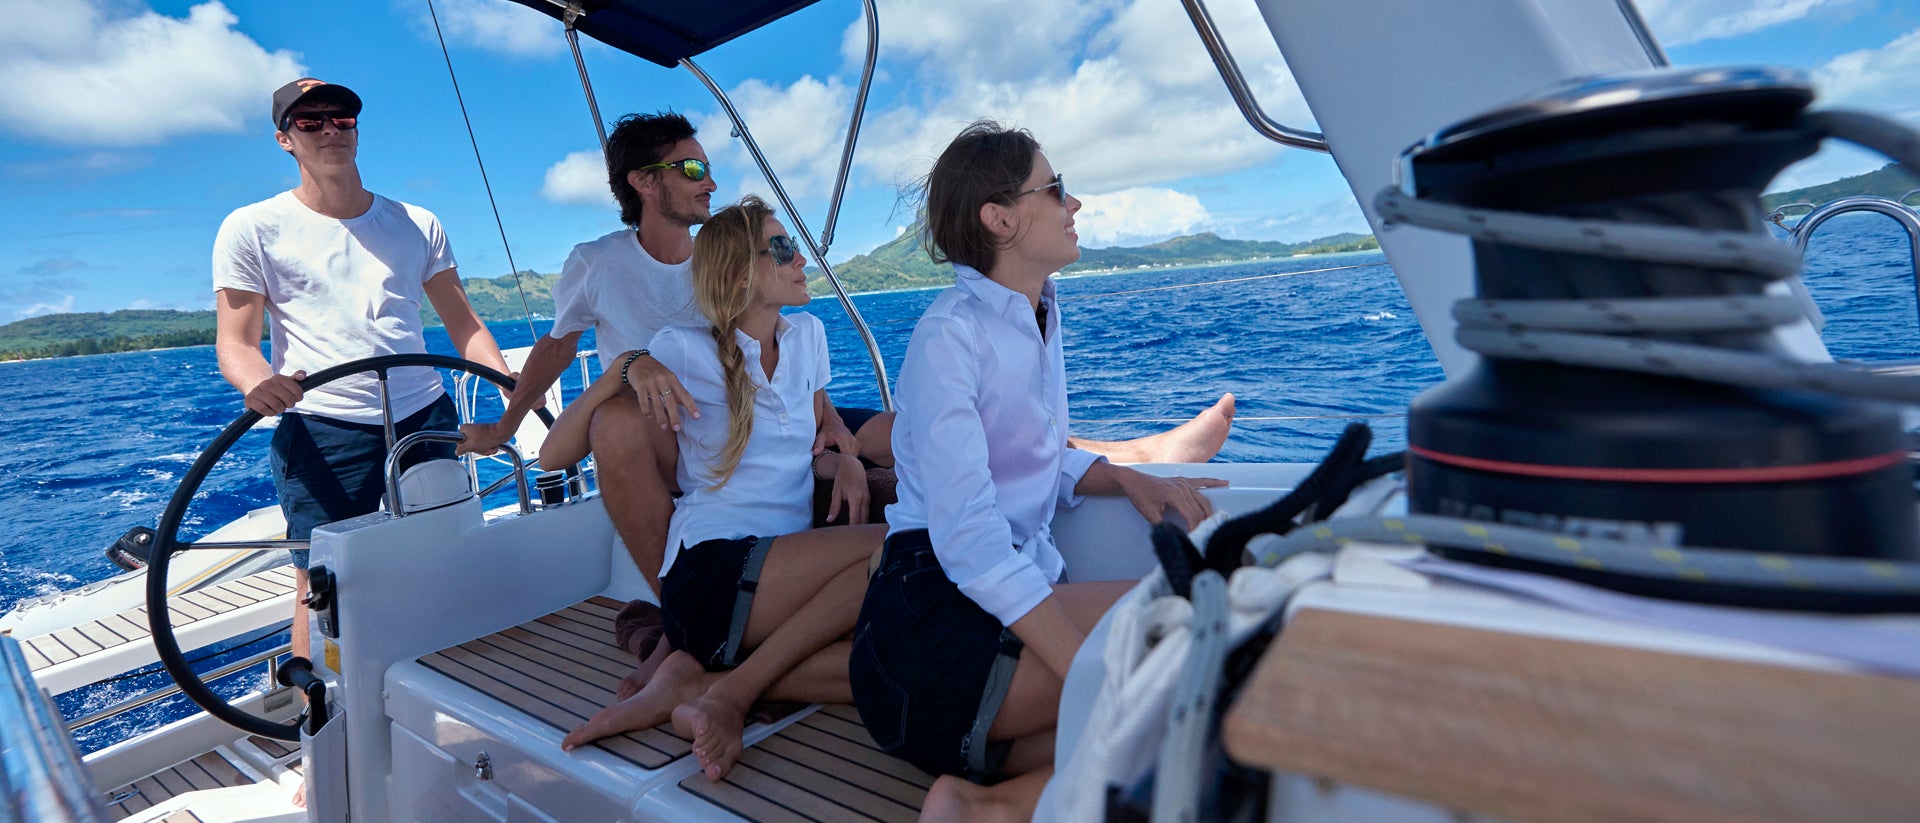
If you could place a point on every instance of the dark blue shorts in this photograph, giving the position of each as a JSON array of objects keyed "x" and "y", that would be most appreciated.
[
  {"x": 697, "y": 598},
  {"x": 856, "y": 418},
  {"x": 326, "y": 470},
  {"x": 922, "y": 663}
]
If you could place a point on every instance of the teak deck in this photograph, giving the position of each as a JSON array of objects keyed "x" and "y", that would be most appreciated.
[
  {"x": 564, "y": 667},
  {"x": 130, "y": 626},
  {"x": 207, "y": 771}
]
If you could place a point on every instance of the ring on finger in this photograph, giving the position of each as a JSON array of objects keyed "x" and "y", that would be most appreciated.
[{"x": 665, "y": 392}]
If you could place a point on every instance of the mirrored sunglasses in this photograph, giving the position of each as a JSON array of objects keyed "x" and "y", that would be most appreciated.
[
  {"x": 782, "y": 249},
  {"x": 694, "y": 168},
  {"x": 1059, "y": 186},
  {"x": 312, "y": 121}
]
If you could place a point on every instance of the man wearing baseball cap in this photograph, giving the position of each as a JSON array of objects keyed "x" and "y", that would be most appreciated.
[{"x": 339, "y": 274}]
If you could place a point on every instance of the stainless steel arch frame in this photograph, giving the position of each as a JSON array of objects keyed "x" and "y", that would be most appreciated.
[
  {"x": 818, "y": 248},
  {"x": 799, "y": 225},
  {"x": 1237, "y": 85}
]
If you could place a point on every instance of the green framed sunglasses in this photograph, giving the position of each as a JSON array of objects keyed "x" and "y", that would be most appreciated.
[{"x": 694, "y": 168}]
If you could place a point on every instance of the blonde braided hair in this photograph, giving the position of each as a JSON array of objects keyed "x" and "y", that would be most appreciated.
[{"x": 724, "y": 253}]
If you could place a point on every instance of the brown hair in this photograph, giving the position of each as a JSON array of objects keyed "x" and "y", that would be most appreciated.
[
  {"x": 986, "y": 163},
  {"x": 639, "y": 140},
  {"x": 723, "y": 257}
]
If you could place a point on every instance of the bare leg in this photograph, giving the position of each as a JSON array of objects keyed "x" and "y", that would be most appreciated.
[
  {"x": 1195, "y": 441},
  {"x": 302, "y": 647},
  {"x": 1033, "y": 699},
  {"x": 954, "y": 798},
  {"x": 635, "y": 460},
  {"x": 876, "y": 439},
  {"x": 819, "y": 579},
  {"x": 643, "y": 673}
]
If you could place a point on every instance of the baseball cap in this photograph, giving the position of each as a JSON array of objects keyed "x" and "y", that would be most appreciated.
[{"x": 308, "y": 89}]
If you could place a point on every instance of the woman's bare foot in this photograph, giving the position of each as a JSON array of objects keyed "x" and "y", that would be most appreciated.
[
  {"x": 1195, "y": 441},
  {"x": 715, "y": 724},
  {"x": 680, "y": 678},
  {"x": 633, "y": 683},
  {"x": 957, "y": 799}
]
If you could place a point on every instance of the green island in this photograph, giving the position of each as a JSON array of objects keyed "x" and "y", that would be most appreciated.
[{"x": 898, "y": 264}]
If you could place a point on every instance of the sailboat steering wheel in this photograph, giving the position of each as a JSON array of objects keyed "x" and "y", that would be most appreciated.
[{"x": 166, "y": 540}]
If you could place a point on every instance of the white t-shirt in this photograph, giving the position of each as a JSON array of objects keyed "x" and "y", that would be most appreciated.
[
  {"x": 615, "y": 287},
  {"x": 771, "y": 492},
  {"x": 339, "y": 290}
]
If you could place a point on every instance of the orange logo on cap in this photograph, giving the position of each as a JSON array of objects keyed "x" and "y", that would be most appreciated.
[{"x": 308, "y": 84}]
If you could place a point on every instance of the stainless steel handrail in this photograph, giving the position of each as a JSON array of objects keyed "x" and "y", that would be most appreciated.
[
  {"x": 574, "y": 12},
  {"x": 41, "y": 778},
  {"x": 1237, "y": 85},
  {"x": 399, "y": 507},
  {"x": 818, "y": 248},
  {"x": 271, "y": 657},
  {"x": 853, "y": 128},
  {"x": 799, "y": 227},
  {"x": 1899, "y": 211}
]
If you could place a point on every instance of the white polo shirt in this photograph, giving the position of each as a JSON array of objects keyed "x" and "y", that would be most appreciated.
[
  {"x": 771, "y": 491},
  {"x": 980, "y": 442}
]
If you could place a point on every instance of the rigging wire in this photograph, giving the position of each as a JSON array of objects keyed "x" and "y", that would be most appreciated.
[
  {"x": 1173, "y": 287},
  {"x": 525, "y": 306},
  {"x": 1176, "y": 286}
]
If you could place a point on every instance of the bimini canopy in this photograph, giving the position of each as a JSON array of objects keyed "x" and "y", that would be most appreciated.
[{"x": 668, "y": 31}]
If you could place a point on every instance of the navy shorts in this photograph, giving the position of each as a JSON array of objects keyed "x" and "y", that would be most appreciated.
[
  {"x": 923, "y": 664},
  {"x": 857, "y": 418},
  {"x": 697, "y": 598},
  {"x": 326, "y": 470}
]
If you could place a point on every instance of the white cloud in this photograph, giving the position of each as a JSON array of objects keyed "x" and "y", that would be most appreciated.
[
  {"x": 69, "y": 72},
  {"x": 800, "y": 128},
  {"x": 62, "y": 306},
  {"x": 1886, "y": 79},
  {"x": 579, "y": 178},
  {"x": 494, "y": 25},
  {"x": 1679, "y": 22},
  {"x": 1120, "y": 93},
  {"x": 1139, "y": 215}
]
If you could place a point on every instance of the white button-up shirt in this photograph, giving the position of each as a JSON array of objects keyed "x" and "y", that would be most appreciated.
[
  {"x": 771, "y": 492},
  {"x": 980, "y": 443}
]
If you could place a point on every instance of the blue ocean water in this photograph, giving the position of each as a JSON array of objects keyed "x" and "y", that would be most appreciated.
[{"x": 95, "y": 445}]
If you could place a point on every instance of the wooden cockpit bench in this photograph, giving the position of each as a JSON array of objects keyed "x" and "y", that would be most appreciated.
[
  {"x": 1532, "y": 728},
  {"x": 564, "y": 667},
  {"x": 823, "y": 767},
  {"x": 561, "y": 668}
]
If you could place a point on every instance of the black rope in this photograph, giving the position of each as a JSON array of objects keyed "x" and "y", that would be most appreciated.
[{"x": 515, "y": 267}]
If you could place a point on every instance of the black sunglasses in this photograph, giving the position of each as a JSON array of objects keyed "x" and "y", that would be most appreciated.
[
  {"x": 312, "y": 121},
  {"x": 694, "y": 168},
  {"x": 1058, "y": 185},
  {"x": 782, "y": 249}
]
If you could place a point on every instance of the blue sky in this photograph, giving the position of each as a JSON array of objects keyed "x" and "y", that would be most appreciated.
[{"x": 129, "y": 128}]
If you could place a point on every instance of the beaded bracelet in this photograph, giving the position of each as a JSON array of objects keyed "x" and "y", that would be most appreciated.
[{"x": 625, "y": 364}]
